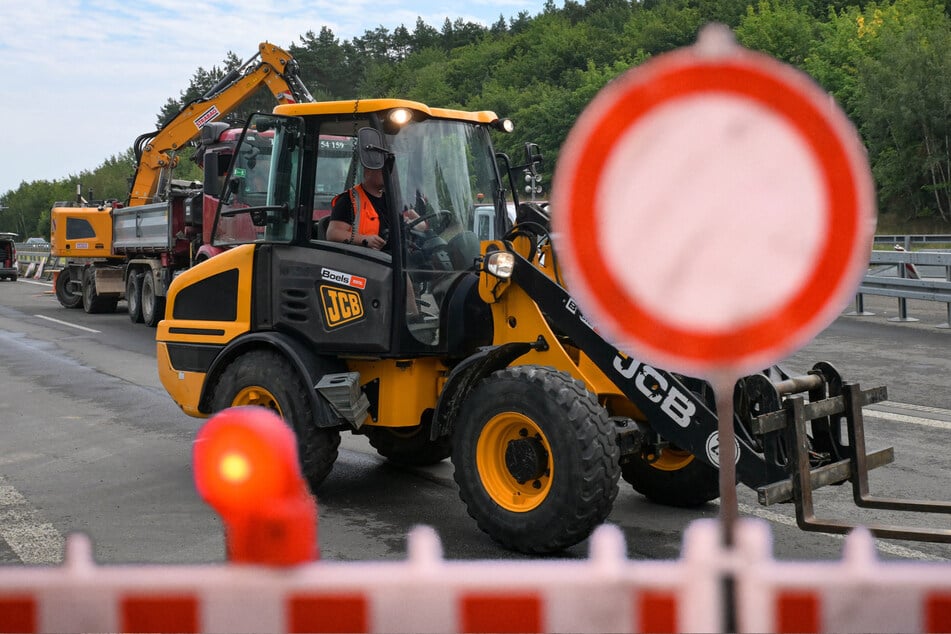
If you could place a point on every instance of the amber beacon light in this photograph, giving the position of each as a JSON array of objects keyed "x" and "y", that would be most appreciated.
[{"x": 245, "y": 464}]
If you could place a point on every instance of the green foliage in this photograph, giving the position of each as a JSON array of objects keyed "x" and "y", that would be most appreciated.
[
  {"x": 781, "y": 28},
  {"x": 903, "y": 103},
  {"x": 888, "y": 63}
]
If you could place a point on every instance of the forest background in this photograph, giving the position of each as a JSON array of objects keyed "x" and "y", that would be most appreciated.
[{"x": 888, "y": 64}]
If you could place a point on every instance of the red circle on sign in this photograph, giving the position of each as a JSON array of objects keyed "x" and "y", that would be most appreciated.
[{"x": 845, "y": 187}]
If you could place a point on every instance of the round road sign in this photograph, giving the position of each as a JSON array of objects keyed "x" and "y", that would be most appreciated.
[{"x": 714, "y": 209}]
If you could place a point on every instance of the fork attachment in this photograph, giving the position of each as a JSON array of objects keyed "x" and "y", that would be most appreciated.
[{"x": 795, "y": 420}]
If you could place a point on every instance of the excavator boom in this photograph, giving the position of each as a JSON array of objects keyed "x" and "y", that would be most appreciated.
[{"x": 155, "y": 151}]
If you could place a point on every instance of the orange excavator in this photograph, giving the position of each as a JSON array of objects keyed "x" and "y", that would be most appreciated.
[{"x": 133, "y": 251}]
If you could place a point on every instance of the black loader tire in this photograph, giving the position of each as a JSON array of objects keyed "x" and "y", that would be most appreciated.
[
  {"x": 266, "y": 379},
  {"x": 133, "y": 296},
  {"x": 153, "y": 306},
  {"x": 67, "y": 298},
  {"x": 536, "y": 459},
  {"x": 675, "y": 478},
  {"x": 409, "y": 446}
]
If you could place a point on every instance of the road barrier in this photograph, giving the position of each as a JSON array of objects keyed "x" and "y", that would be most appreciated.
[
  {"x": 425, "y": 593},
  {"x": 36, "y": 263}
]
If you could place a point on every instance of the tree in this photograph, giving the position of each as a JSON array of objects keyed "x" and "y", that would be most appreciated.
[
  {"x": 780, "y": 28},
  {"x": 662, "y": 29},
  {"x": 903, "y": 101},
  {"x": 326, "y": 65},
  {"x": 424, "y": 36}
]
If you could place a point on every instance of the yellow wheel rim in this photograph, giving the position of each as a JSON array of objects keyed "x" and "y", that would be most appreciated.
[
  {"x": 672, "y": 460},
  {"x": 255, "y": 395},
  {"x": 501, "y": 485}
]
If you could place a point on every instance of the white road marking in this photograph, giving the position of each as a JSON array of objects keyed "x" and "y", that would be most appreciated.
[
  {"x": 66, "y": 323},
  {"x": 920, "y": 408},
  {"x": 883, "y": 547},
  {"x": 33, "y": 540},
  {"x": 904, "y": 418},
  {"x": 888, "y": 548}
]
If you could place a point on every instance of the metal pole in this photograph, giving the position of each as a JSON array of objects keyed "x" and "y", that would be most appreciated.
[{"x": 947, "y": 276}]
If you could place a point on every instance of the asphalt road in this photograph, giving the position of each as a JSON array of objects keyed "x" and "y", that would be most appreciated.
[{"x": 90, "y": 442}]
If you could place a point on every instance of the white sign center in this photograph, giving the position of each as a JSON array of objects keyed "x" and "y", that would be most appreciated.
[{"x": 730, "y": 192}]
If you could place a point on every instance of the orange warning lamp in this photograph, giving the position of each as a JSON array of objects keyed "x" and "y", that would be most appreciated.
[{"x": 245, "y": 462}]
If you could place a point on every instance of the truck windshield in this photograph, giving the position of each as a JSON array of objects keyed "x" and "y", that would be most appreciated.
[{"x": 262, "y": 184}]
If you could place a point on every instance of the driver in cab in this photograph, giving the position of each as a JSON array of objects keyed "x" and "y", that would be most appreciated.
[{"x": 360, "y": 215}]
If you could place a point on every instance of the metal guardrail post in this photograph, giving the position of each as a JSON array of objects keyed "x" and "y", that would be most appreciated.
[
  {"x": 859, "y": 307},
  {"x": 947, "y": 276},
  {"x": 903, "y": 274}
]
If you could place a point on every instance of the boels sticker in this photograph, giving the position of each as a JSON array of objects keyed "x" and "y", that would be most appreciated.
[{"x": 341, "y": 305}]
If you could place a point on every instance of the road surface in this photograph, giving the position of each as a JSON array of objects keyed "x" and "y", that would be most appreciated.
[{"x": 92, "y": 443}]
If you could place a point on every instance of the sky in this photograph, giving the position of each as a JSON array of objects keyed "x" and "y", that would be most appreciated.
[{"x": 84, "y": 78}]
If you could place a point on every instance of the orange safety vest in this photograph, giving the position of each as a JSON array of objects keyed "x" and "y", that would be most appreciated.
[{"x": 366, "y": 221}]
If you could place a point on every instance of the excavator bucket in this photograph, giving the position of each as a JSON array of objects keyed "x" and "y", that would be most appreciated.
[{"x": 811, "y": 429}]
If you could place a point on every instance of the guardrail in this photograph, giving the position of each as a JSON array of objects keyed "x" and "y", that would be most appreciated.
[
  {"x": 907, "y": 240},
  {"x": 896, "y": 274},
  {"x": 36, "y": 262}
]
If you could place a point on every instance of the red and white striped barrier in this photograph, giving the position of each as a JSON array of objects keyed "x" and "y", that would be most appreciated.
[
  {"x": 857, "y": 594},
  {"x": 425, "y": 593}
]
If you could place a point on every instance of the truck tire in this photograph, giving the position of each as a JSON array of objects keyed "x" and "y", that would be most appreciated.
[
  {"x": 153, "y": 306},
  {"x": 133, "y": 296},
  {"x": 67, "y": 297},
  {"x": 409, "y": 446},
  {"x": 266, "y": 379},
  {"x": 675, "y": 478},
  {"x": 93, "y": 302},
  {"x": 536, "y": 459}
]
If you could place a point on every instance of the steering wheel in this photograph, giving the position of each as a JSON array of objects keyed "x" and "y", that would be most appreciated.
[{"x": 442, "y": 213}]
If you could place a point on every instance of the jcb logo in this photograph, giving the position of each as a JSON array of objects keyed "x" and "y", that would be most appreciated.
[
  {"x": 658, "y": 389},
  {"x": 340, "y": 306}
]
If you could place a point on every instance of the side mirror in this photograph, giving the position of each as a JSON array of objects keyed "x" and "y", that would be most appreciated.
[
  {"x": 533, "y": 157},
  {"x": 373, "y": 154}
]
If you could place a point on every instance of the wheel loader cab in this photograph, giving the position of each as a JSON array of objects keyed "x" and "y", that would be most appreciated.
[{"x": 409, "y": 298}]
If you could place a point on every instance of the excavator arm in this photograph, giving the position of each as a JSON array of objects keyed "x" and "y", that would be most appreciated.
[{"x": 155, "y": 151}]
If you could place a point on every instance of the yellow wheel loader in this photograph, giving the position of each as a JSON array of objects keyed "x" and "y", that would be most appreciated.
[{"x": 459, "y": 339}]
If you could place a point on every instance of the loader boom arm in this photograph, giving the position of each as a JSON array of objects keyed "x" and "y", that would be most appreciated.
[
  {"x": 675, "y": 412},
  {"x": 274, "y": 68}
]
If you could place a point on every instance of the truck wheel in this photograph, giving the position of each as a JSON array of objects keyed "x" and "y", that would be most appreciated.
[
  {"x": 153, "y": 306},
  {"x": 133, "y": 296},
  {"x": 93, "y": 302},
  {"x": 267, "y": 379},
  {"x": 67, "y": 297},
  {"x": 409, "y": 446},
  {"x": 676, "y": 478},
  {"x": 536, "y": 459}
]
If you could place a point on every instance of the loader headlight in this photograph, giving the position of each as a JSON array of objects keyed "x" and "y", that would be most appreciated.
[
  {"x": 504, "y": 125},
  {"x": 400, "y": 117},
  {"x": 500, "y": 264}
]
